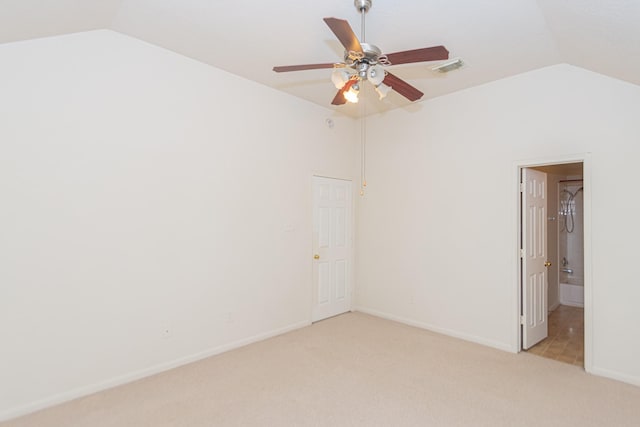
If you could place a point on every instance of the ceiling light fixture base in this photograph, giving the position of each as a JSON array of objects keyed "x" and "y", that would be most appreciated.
[{"x": 363, "y": 6}]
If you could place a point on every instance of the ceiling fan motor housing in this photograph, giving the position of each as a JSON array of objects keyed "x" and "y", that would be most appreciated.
[
  {"x": 360, "y": 61},
  {"x": 369, "y": 54}
]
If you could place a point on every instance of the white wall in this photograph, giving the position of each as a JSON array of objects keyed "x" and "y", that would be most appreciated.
[
  {"x": 143, "y": 192},
  {"x": 437, "y": 227}
]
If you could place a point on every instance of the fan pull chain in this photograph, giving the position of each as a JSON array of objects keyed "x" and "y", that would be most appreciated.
[
  {"x": 364, "y": 8},
  {"x": 363, "y": 147}
]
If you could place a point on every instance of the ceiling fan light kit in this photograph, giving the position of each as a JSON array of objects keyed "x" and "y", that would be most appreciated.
[{"x": 365, "y": 61}]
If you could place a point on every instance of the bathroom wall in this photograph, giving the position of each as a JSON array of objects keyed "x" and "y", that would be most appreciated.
[
  {"x": 553, "y": 292},
  {"x": 571, "y": 241},
  {"x": 555, "y": 222},
  {"x": 571, "y": 245}
]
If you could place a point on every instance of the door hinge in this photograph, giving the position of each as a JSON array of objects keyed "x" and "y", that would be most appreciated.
[
  {"x": 522, "y": 321},
  {"x": 521, "y": 253},
  {"x": 522, "y": 187}
]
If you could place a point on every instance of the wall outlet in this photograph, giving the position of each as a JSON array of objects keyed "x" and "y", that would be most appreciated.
[
  {"x": 228, "y": 317},
  {"x": 166, "y": 333}
]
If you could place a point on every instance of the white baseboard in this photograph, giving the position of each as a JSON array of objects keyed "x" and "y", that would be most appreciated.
[
  {"x": 432, "y": 328},
  {"x": 614, "y": 375},
  {"x": 133, "y": 376}
]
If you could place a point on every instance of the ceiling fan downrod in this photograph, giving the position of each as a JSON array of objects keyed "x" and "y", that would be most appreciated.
[{"x": 363, "y": 7}]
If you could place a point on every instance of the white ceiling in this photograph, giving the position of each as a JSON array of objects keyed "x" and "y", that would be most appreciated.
[{"x": 495, "y": 38}]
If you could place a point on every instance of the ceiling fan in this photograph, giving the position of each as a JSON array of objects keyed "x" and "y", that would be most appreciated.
[{"x": 364, "y": 61}]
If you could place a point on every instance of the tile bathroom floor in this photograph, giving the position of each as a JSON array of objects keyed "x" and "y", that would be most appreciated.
[{"x": 565, "y": 341}]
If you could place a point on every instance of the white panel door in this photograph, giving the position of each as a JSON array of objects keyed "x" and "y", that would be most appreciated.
[
  {"x": 332, "y": 247},
  {"x": 534, "y": 261}
]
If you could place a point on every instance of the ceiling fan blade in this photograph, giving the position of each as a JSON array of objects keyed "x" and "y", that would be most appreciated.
[
  {"x": 339, "y": 99},
  {"x": 286, "y": 68},
  {"x": 402, "y": 87},
  {"x": 344, "y": 33},
  {"x": 435, "y": 53}
]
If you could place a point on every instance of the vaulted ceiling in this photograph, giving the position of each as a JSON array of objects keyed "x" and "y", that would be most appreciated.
[{"x": 495, "y": 38}]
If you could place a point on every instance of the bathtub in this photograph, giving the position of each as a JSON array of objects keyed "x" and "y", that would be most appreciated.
[{"x": 572, "y": 293}]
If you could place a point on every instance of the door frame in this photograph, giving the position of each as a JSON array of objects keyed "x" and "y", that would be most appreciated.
[
  {"x": 585, "y": 159},
  {"x": 352, "y": 255}
]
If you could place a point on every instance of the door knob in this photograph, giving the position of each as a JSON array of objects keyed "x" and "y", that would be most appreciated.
[
  {"x": 547, "y": 264},
  {"x": 316, "y": 256}
]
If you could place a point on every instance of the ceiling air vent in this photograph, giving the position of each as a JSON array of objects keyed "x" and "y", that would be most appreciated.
[{"x": 447, "y": 66}]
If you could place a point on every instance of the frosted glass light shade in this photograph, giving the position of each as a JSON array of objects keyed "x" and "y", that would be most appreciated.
[
  {"x": 339, "y": 78},
  {"x": 382, "y": 90},
  {"x": 375, "y": 75}
]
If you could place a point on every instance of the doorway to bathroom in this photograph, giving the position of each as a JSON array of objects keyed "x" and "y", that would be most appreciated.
[{"x": 552, "y": 266}]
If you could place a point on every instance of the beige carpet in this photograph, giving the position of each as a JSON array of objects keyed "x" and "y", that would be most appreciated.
[{"x": 358, "y": 370}]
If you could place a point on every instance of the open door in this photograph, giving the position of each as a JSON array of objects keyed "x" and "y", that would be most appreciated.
[{"x": 534, "y": 279}]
